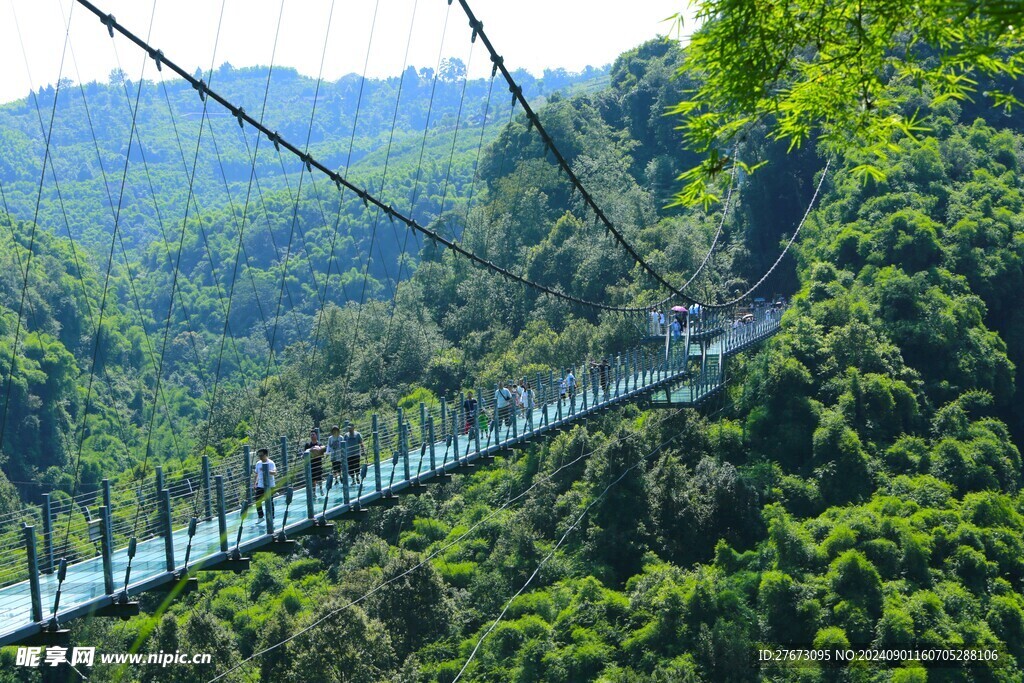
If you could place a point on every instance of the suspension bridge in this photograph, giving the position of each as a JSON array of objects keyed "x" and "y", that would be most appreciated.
[
  {"x": 156, "y": 533},
  {"x": 406, "y": 457}
]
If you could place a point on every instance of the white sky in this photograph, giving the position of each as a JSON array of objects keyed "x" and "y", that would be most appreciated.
[{"x": 530, "y": 34}]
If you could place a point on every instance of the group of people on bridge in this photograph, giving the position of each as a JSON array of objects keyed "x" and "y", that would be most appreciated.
[
  {"x": 346, "y": 453},
  {"x": 510, "y": 400},
  {"x": 677, "y": 322},
  {"x": 513, "y": 400}
]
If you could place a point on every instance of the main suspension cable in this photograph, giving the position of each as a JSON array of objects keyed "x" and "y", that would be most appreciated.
[
  {"x": 311, "y": 162},
  {"x": 534, "y": 120}
]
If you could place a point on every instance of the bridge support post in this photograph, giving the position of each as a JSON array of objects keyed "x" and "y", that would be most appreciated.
[
  {"x": 346, "y": 496},
  {"x": 407, "y": 449},
  {"x": 458, "y": 423},
  {"x": 595, "y": 386},
  {"x": 476, "y": 418},
  {"x": 284, "y": 460},
  {"x": 47, "y": 534},
  {"x": 399, "y": 451},
  {"x": 430, "y": 436},
  {"x": 207, "y": 494},
  {"x": 703, "y": 359},
  {"x": 591, "y": 378},
  {"x": 452, "y": 444},
  {"x": 423, "y": 422},
  {"x": 538, "y": 399},
  {"x": 159, "y": 470},
  {"x": 403, "y": 443},
  {"x": 514, "y": 411},
  {"x": 423, "y": 438},
  {"x": 168, "y": 531},
  {"x": 106, "y": 550},
  {"x": 222, "y": 519},
  {"x": 246, "y": 471},
  {"x": 618, "y": 372},
  {"x": 627, "y": 371},
  {"x": 572, "y": 392},
  {"x": 105, "y": 493},
  {"x": 308, "y": 466},
  {"x": 376, "y": 455},
  {"x": 602, "y": 395},
  {"x": 558, "y": 397},
  {"x": 33, "y": 573},
  {"x": 444, "y": 417}
]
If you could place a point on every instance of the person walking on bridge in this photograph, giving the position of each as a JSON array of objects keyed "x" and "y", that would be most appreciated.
[
  {"x": 263, "y": 476},
  {"x": 336, "y": 450},
  {"x": 503, "y": 402},
  {"x": 354, "y": 450},
  {"x": 469, "y": 407},
  {"x": 316, "y": 460}
]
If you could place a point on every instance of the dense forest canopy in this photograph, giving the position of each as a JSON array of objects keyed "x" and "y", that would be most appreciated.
[
  {"x": 209, "y": 241},
  {"x": 841, "y": 75},
  {"x": 858, "y": 484}
]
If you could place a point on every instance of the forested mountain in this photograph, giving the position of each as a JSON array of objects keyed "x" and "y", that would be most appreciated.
[
  {"x": 858, "y": 483},
  {"x": 241, "y": 232}
]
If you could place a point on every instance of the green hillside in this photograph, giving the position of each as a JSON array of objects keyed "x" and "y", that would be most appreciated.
[
  {"x": 230, "y": 257},
  {"x": 857, "y": 485}
]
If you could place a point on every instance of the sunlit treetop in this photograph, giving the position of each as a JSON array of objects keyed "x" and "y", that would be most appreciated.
[{"x": 838, "y": 72}]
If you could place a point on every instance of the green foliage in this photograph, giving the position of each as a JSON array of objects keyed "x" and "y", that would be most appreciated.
[
  {"x": 831, "y": 73},
  {"x": 858, "y": 484}
]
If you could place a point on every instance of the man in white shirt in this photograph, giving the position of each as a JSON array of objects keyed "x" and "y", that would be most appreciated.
[
  {"x": 570, "y": 383},
  {"x": 502, "y": 399},
  {"x": 263, "y": 476}
]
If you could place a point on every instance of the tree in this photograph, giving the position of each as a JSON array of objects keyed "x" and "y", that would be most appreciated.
[
  {"x": 411, "y": 604},
  {"x": 848, "y": 75},
  {"x": 452, "y": 69}
]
